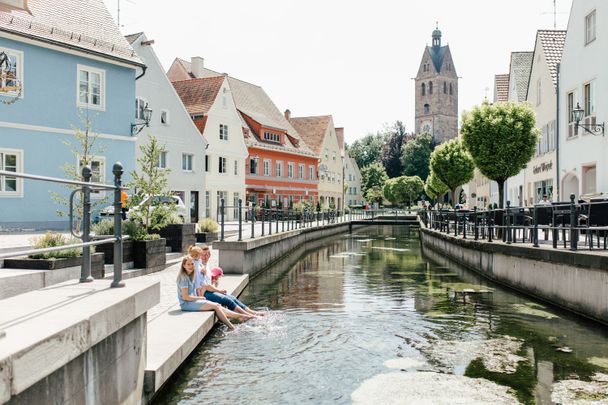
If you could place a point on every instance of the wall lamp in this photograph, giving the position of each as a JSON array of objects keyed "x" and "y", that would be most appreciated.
[
  {"x": 145, "y": 121},
  {"x": 577, "y": 116}
]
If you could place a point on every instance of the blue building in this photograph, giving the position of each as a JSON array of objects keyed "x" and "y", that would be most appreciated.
[{"x": 68, "y": 64}]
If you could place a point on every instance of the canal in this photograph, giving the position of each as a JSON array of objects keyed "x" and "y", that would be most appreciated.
[{"x": 371, "y": 317}]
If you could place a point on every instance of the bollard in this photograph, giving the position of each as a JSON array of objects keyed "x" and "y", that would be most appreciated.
[
  {"x": 240, "y": 220},
  {"x": 535, "y": 230},
  {"x": 85, "y": 272},
  {"x": 117, "y": 280},
  {"x": 222, "y": 218},
  {"x": 573, "y": 230},
  {"x": 253, "y": 218},
  {"x": 507, "y": 222}
]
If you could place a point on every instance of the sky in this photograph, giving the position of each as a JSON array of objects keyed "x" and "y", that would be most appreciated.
[{"x": 353, "y": 59}]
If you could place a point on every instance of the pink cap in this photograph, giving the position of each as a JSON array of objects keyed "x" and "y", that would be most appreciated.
[{"x": 216, "y": 272}]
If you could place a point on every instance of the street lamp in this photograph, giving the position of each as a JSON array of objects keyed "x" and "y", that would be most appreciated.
[
  {"x": 577, "y": 116},
  {"x": 146, "y": 117}
]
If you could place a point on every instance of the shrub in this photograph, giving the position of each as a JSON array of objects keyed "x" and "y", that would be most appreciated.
[
  {"x": 54, "y": 239},
  {"x": 207, "y": 225},
  {"x": 104, "y": 227}
]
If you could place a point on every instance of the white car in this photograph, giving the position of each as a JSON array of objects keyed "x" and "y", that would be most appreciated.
[{"x": 182, "y": 211}]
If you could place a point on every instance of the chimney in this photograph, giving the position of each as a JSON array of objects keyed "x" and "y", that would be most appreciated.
[
  {"x": 197, "y": 66},
  {"x": 287, "y": 114}
]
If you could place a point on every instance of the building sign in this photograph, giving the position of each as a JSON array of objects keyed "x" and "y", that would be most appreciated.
[{"x": 543, "y": 167}]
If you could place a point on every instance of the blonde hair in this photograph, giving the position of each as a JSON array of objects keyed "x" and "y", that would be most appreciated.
[
  {"x": 182, "y": 270},
  {"x": 197, "y": 250}
]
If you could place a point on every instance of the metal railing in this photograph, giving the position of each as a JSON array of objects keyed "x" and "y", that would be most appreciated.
[{"x": 562, "y": 223}]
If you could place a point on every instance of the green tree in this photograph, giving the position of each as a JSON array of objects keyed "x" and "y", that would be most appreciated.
[
  {"x": 452, "y": 164},
  {"x": 367, "y": 150},
  {"x": 151, "y": 184},
  {"x": 388, "y": 191},
  {"x": 415, "y": 156},
  {"x": 373, "y": 176},
  {"x": 501, "y": 139},
  {"x": 374, "y": 194},
  {"x": 394, "y": 139},
  {"x": 408, "y": 188},
  {"x": 433, "y": 187}
]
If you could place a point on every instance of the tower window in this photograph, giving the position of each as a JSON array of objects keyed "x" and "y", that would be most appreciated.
[
  {"x": 423, "y": 89},
  {"x": 445, "y": 88},
  {"x": 430, "y": 87},
  {"x": 451, "y": 89},
  {"x": 427, "y": 109}
]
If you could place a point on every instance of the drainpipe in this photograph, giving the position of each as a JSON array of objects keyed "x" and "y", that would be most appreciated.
[
  {"x": 557, "y": 181},
  {"x": 143, "y": 72}
]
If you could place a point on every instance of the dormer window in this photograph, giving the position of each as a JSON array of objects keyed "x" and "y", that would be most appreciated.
[{"x": 272, "y": 137}]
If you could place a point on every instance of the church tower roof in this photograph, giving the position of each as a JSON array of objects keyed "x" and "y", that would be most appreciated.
[{"x": 437, "y": 51}]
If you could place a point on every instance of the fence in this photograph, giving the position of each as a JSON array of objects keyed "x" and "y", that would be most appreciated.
[{"x": 564, "y": 222}]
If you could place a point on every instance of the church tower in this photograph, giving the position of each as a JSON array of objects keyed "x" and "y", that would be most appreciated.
[{"x": 437, "y": 92}]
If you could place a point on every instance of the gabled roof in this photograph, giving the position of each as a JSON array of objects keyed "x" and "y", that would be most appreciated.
[
  {"x": 132, "y": 37},
  {"x": 521, "y": 65},
  {"x": 80, "y": 24},
  {"x": 188, "y": 67},
  {"x": 340, "y": 137},
  {"x": 501, "y": 88},
  {"x": 312, "y": 130},
  {"x": 437, "y": 54},
  {"x": 198, "y": 95},
  {"x": 552, "y": 42}
]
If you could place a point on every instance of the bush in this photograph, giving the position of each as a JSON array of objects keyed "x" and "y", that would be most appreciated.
[
  {"x": 302, "y": 205},
  {"x": 174, "y": 218},
  {"x": 104, "y": 227},
  {"x": 53, "y": 239},
  {"x": 207, "y": 225}
]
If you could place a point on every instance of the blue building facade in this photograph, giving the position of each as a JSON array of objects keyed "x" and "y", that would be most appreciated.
[{"x": 62, "y": 88}]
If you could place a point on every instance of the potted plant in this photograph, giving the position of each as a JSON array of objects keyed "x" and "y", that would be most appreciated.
[
  {"x": 179, "y": 235},
  {"x": 69, "y": 257},
  {"x": 104, "y": 229},
  {"x": 206, "y": 230}
]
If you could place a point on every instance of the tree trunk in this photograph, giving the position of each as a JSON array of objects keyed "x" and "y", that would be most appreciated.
[
  {"x": 501, "y": 193},
  {"x": 454, "y": 197}
]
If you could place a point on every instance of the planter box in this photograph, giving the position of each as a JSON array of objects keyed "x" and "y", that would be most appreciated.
[
  {"x": 179, "y": 236},
  {"x": 149, "y": 253},
  {"x": 108, "y": 251},
  {"x": 97, "y": 261},
  {"x": 206, "y": 237}
]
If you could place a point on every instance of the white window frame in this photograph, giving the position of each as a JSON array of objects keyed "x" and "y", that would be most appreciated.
[
  {"x": 19, "y": 169},
  {"x": 222, "y": 164},
  {"x": 102, "y": 174},
  {"x": 267, "y": 167},
  {"x": 167, "y": 117},
  {"x": 102, "y": 88},
  {"x": 590, "y": 28},
  {"x": 278, "y": 168},
  {"x": 140, "y": 104},
  {"x": 301, "y": 171},
  {"x": 591, "y": 108},
  {"x": 187, "y": 158},
  {"x": 19, "y": 71},
  {"x": 223, "y": 132},
  {"x": 311, "y": 172},
  {"x": 290, "y": 170},
  {"x": 166, "y": 160}
]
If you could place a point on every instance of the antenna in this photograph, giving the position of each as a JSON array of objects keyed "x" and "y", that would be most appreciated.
[
  {"x": 118, "y": 13},
  {"x": 554, "y": 15}
]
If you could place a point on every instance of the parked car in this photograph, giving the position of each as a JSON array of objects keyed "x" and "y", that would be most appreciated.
[{"x": 182, "y": 211}]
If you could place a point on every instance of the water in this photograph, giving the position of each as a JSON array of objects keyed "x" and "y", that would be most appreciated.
[{"x": 367, "y": 305}]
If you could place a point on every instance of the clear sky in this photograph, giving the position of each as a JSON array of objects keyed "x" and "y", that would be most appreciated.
[{"x": 353, "y": 59}]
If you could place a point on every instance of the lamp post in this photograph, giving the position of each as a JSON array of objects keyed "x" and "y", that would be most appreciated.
[
  {"x": 577, "y": 116},
  {"x": 145, "y": 121}
]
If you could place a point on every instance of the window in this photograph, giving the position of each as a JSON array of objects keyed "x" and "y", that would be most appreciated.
[
  {"x": 187, "y": 162},
  {"x": 301, "y": 171},
  {"x": 570, "y": 105},
  {"x": 197, "y": 117},
  {"x": 91, "y": 84},
  {"x": 13, "y": 78},
  {"x": 207, "y": 163},
  {"x": 451, "y": 89},
  {"x": 427, "y": 109},
  {"x": 278, "y": 169},
  {"x": 11, "y": 161},
  {"x": 266, "y": 167},
  {"x": 445, "y": 88},
  {"x": 430, "y": 87},
  {"x": 235, "y": 203},
  {"x": 590, "y": 27},
  {"x": 164, "y": 117},
  {"x": 423, "y": 88},
  {"x": 207, "y": 204},
  {"x": 272, "y": 137},
  {"x": 290, "y": 170},
  {"x": 236, "y": 167},
  {"x": 222, "y": 165},
  {"x": 311, "y": 172},
  {"x": 223, "y": 132},
  {"x": 589, "y": 98},
  {"x": 253, "y": 166},
  {"x": 162, "y": 160},
  {"x": 140, "y": 104},
  {"x": 97, "y": 164}
]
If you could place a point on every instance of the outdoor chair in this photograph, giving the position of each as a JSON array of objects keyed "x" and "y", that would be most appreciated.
[{"x": 594, "y": 221}]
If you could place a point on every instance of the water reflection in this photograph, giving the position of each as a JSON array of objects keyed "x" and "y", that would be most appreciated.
[{"x": 350, "y": 307}]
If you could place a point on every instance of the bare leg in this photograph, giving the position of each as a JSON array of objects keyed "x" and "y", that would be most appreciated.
[
  {"x": 236, "y": 315},
  {"x": 218, "y": 312}
]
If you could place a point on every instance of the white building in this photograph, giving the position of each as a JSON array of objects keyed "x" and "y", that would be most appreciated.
[
  {"x": 352, "y": 182},
  {"x": 172, "y": 126},
  {"x": 583, "y": 159}
]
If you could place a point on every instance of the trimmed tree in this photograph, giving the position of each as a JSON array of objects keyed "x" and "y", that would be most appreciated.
[
  {"x": 415, "y": 156},
  {"x": 452, "y": 164},
  {"x": 501, "y": 139},
  {"x": 388, "y": 189},
  {"x": 433, "y": 187},
  {"x": 408, "y": 188}
]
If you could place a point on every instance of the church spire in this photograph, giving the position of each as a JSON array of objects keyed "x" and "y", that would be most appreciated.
[{"x": 437, "y": 36}]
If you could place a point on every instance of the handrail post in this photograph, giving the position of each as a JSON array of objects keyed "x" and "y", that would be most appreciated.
[
  {"x": 277, "y": 220},
  {"x": 491, "y": 224},
  {"x": 263, "y": 212},
  {"x": 117, "y": 280},
  {"x": 476, "y": 223},
  {"x": 240, "y": 220},
  {"x": 535, "y": 230},
  {"x": 507, "y": 222},
  {"x": 283, "y": 220},
  {"x": 253, "y": 219},
  {"x": 222, "y": 218},
  {"x": 573, "y": 230},
  {"x": 85, "y": 272},
  {"x": 270, "y": 221}
]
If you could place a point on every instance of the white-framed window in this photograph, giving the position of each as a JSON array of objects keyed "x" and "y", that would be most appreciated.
[
  {"x": 253, "y": 165},
  {"x": 207, "y": 204},
  {"x": 162, "y": 160},
  {"x": 290, "y": 167},
  {"x": 590, "y": 27},
  {"x": 236, "y": 167},
  {"x": 207, "y": 164},
  {"x": 589, "y": 93},
  {"x": 222, "y": 165},
  {"x": 272, "y": 137},
  {"x": 278, "y": 172},
  {"x": 98, "y": 170},
  {"x": 267, "y": 167},
  {"x": 311, "y": 172},
  {"x": 11, "y": 160},
  {"x": 140, "y": 104},
  {"x": 91, "y": 88},
  {"x": 301, "y": 171},
  {"x": 223, "y": 132},
  {"x": 187, "y": 162},
  {"x": 165, "y": 118},
  {"x": 13, "y": 78}
]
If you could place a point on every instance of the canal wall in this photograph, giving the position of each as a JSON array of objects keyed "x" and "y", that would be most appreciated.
[{"x": 576, "y": 281}]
